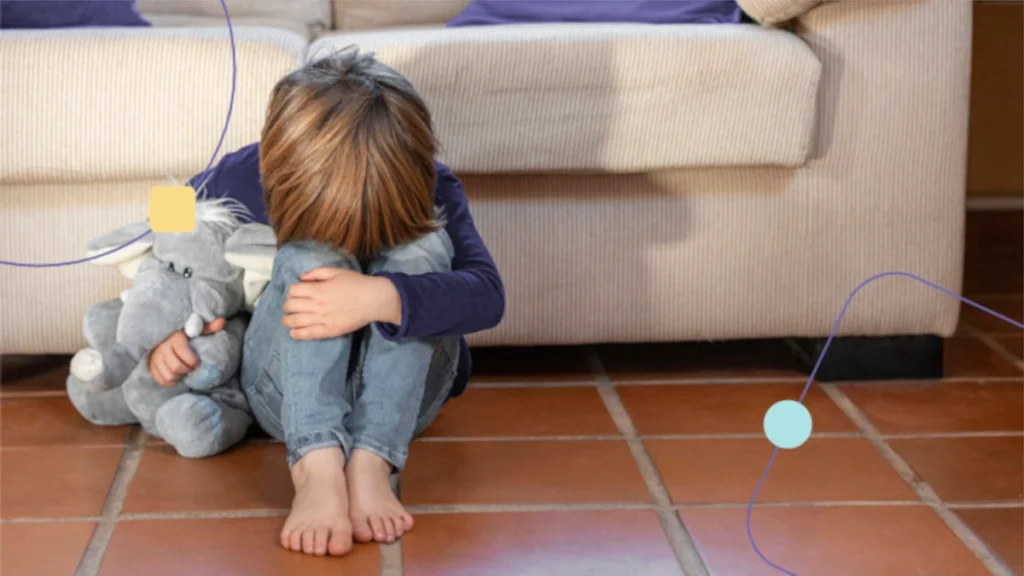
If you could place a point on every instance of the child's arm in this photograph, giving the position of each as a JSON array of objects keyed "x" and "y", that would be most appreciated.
[{"x": 468, "y": 299}]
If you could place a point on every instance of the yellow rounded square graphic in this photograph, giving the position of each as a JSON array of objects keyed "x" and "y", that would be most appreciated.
[{"x": 172, "y": 209}]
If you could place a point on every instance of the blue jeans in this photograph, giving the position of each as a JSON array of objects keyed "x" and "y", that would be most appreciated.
[{"x": 309, "y": 394}]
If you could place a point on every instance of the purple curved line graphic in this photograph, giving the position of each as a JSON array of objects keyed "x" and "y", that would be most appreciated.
[
  {"x": 79, "y": 261},
  {"x": 810, "y": 380},
  {"x": 223, "y": 133},
  {"x": 234, "y": 79}
]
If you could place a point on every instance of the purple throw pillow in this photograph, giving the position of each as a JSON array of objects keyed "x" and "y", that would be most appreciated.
[
  {"x": 489, "y": 12},
  {"x": 69, "y": 13}
]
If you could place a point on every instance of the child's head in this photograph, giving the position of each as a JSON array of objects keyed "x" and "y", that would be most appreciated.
[{"x": 347, "y": 156}]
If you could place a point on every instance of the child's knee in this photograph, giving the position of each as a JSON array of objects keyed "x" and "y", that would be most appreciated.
[
  {"x": 431, "y": 253},
  {"x": 296, "y": 258}
]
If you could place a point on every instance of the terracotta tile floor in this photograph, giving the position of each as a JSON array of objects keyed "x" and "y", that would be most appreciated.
[{"x": 601, "y": 461}]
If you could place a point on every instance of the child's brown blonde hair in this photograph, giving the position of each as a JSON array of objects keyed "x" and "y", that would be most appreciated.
[{"x": 347, "y": 156}]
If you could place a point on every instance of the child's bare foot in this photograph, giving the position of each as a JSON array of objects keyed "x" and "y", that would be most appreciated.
[
  {"x": 376, "y": 513},
  {"x": 318, "y": 523}
]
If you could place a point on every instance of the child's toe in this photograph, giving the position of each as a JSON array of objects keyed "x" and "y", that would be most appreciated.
[
  {"x": 308, "y": 536},
  {"x": 377, "y": 525},
  {"x": 361, "y": 530},
  {"x": 389, "y": 529},
  {"x": 340, "y": 541},
  {"x": 320, "y": 537}
]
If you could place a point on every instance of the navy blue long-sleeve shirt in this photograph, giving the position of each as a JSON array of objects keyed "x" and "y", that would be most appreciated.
[{"x": 468, "y": 299}]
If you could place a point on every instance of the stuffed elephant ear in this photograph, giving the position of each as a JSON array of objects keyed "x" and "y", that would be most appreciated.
[
  {"x": 252, "y": 248},
  {"x": 128, "y": 258}
]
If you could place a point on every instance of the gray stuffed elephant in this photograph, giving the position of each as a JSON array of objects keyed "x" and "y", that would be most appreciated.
[{"x": 180, "y": 282}]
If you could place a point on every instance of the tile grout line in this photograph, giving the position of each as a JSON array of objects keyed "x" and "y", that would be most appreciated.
[
  {"x": 595, "y": 438},
  {"x": 994, "y": 346},
  {"x": 434, "y": 509},
  {"x": 973, "y": 434},
  {"x": 713, "y": 436},
  {"x": 93, "y": 556},
  {"x": 805, "y": 504},
  {"x": 440, "y": 509},
  {"x": 679, "y": 538},
  {"x": 713, "y": 381},
  {"x": 538, "y": 384},
  {"x": 556, "y": 438},
  {"x": 58, "y": 520},
  {"x": 204, "y": 515},
  {"x": 624, "y": 383},
  {"x": 995, "y": 505},
  {"x": 924, "y": 491},
  {"x": 672, "y": 380},
  {"x": 619, "y": 438},
  {"x": 743, "y": 381},
  {"x": 119, "y": 445},
  {"x": 391, "y": 559}
]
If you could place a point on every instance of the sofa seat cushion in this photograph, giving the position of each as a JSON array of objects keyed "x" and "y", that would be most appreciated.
[
  {"x": 607, "y": 97},
  {"x": 132, "y": 103}
]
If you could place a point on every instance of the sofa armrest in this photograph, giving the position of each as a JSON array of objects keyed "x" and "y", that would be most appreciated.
[
  {"x": 890, "y": 153},
  {"x": 896, "y": 78},
  {"x": 776, "y": 11}
]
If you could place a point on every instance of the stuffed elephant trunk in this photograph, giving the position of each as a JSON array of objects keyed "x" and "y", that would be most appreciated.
[{"x": 156, "y": 306}]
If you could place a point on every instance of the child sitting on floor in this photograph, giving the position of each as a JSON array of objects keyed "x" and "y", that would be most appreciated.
[{"x": 357, "y": 340}]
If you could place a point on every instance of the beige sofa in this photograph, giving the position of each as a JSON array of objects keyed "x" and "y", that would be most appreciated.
[{"x": 634, "y": 183}]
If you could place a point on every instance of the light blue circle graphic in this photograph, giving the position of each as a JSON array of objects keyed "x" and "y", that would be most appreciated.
[{"x": 787, "y": 424}]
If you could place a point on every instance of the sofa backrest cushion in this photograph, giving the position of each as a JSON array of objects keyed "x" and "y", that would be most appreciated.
[
  {"x": 314, "y": 15},
  {"x": 378, "y": 14},
  {"x": 776, "y": 11},
  {"x": 489, "y": 12}
]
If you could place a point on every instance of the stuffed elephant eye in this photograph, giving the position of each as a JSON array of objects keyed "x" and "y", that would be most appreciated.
[
  {"x": 187, "y": 272},
  {"x": 170, "y": 266}
]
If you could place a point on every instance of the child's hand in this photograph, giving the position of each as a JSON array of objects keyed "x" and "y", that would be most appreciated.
[
  {"x": 173, "y": 359},
  {"x": 330, "y": 302}
]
